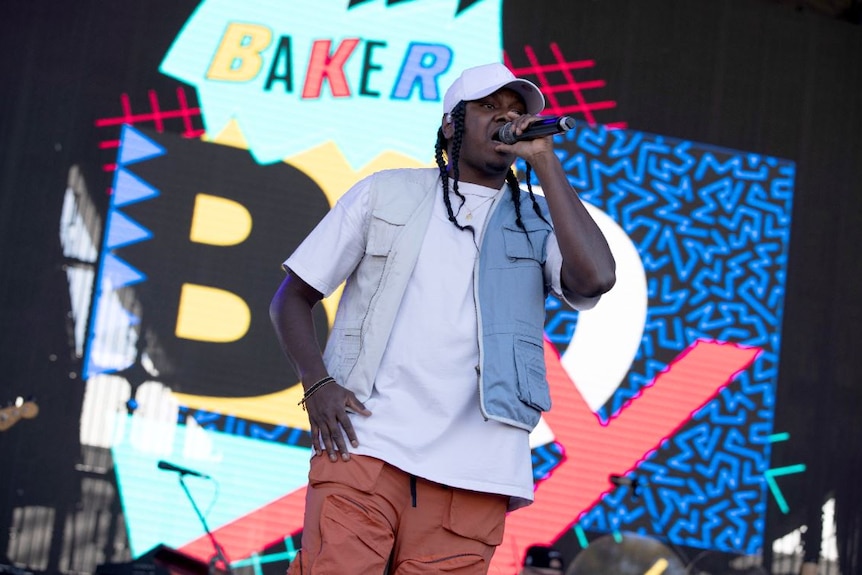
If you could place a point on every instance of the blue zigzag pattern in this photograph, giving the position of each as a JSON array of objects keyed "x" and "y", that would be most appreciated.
[{"x": 712, "y": 228}]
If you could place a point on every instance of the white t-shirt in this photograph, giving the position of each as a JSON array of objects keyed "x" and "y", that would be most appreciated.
[{"x": 425, "y": 403}]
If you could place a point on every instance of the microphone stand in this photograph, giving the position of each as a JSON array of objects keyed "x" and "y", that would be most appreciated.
[
  {"x": 219, "y": 552},
  {"x": 636, "y": 484}
]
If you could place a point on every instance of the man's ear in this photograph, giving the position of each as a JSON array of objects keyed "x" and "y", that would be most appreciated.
[{"x": 448, "y": 126}]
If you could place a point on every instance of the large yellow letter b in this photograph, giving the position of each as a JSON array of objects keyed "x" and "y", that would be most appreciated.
[
  {"x": 238, "y": 56},
  {"x": 211, "y": 314}
]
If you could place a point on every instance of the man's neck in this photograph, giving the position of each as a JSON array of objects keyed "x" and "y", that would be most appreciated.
[{"x": 489, "y": 181}]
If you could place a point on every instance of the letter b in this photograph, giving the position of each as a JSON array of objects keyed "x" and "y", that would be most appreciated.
[{"x": 238, "y": 58}]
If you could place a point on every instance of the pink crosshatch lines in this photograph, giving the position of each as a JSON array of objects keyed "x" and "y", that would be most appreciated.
[
  {"x": 182, "y": 115},
  {"x": 566, "y": 95}
]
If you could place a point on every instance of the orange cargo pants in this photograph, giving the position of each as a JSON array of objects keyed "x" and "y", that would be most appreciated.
[{"x": 363, "y": 515}]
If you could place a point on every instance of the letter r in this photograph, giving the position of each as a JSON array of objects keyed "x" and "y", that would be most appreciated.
[{"x": 423, "y": 63}]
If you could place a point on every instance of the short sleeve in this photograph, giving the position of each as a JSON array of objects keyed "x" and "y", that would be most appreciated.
[
  {"x": 553, "y": 266},
  {"x": 333, "y": 249}
]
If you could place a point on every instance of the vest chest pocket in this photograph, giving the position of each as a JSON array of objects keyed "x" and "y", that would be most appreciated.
[
  {"x": 524, "y": 248},
  {"x": 532, "y": 383},
  {"x": 381, "y": 236},
  {"x": 379, "y": 243}
]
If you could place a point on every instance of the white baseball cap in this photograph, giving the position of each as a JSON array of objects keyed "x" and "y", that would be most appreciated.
[{"x": 479, "y": 81}]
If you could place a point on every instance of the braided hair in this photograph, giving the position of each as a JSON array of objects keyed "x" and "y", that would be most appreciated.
[{"x": 442, "y": 155}]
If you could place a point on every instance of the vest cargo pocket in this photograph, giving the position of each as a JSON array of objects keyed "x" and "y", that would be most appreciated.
[
  {"x": 342, "y": 351},
  {"x": 532, "y": 384}
]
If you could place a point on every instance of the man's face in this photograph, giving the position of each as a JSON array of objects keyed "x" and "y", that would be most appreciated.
[{"x": 479, "y": 162}]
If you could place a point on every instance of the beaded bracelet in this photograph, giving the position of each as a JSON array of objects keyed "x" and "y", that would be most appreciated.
[{"x": 313, "y": 389}]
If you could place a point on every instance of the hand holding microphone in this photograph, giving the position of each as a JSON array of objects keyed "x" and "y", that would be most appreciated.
[{"x": 548, "y": 126}]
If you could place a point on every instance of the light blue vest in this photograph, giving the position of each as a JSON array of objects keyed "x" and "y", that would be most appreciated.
[{"x": 510, "y": 295}]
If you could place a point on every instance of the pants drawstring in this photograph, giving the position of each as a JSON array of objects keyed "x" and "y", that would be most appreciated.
[{"x": 413, "y": 489}]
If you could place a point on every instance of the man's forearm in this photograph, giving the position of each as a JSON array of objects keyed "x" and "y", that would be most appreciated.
[
  {"x": 588, "y": 265},
  {"x": 291, "y": 315}
]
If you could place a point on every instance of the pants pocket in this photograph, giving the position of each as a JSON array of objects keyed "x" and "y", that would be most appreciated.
[
  {"x": 478, "y": 516},
  {"x": 355, "y": 539},
  {"x": 360, "y": 472},
  {"x": 466, "y": 564}
]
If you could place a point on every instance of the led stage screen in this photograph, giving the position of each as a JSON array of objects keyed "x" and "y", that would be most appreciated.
[{"x": 669, "y": 383}]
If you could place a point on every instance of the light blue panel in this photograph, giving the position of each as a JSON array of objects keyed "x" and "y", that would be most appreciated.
[
  {"x": 385, "y": 110},
  {"x": 246, "y": 475}
]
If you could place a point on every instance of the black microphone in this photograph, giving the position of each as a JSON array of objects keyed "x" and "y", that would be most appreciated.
[
  {"x": 181, "y": 470},
  {"x": 624, "y": 481},
  {"x": 539, "y": 129}
]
